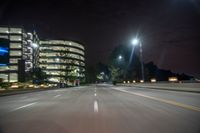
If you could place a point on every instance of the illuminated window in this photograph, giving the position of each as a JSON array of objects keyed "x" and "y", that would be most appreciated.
[
  {"x": 13, "y": 67},
  {"x": 4, "y": 30},
  {"x": 13, "y": 77},
  {"x": 15, "y": 38},
  {"x": 4, "y": 68},
  {"x": 15, "y": 53},
  {"x": 4, "y": 77},
  {"x": 16, "y": 30},
  {"x": 13, "y": 60},
  {"x": 15, "y": 45},
  {"x": 54, "y": 79}
]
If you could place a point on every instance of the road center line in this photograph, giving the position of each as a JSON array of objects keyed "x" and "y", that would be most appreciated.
[
  {"x": 96, "y": 108},
  {"x": 27, "y": 105},
  {"x": 164, "y": 101},
  {"x": 57, "y": 96},
  {"x": 95, "y": 94}
]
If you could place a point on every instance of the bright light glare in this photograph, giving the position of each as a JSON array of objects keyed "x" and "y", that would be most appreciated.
[
  {"x": 172, "y": 79},
  {"x": 153, "y": 80},
  {"x": 141, "y": 81},
  {"x": 34, "y": 45},
  {"x": 57, "y": 59},
  {"x": 135, "y": 41},
  {"x": 120, "y": 57}
]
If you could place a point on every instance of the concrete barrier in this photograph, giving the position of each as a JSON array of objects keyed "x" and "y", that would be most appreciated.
[{"x": 187, "y": 87}]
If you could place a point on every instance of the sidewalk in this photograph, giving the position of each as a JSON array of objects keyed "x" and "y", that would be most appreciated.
[
  {"x": 21, "y": 91},
  {"x": 185, "y": 87}
]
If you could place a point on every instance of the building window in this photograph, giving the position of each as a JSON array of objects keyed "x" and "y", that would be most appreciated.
[
  {"x": 15, "y": 45},
  {"x": 4, "y": 30},
  {"x": 4, "y": 77},
  {"x": 16, "y": 30},
  {"x": 15, "y": 53},
  {"x": 4, "y": 68},
  {"x": 14, "y": 60},
  {"x": 15, "y": 38},
  {"x": 13, "y": 77},
  {"x": 13, "y": 68}
]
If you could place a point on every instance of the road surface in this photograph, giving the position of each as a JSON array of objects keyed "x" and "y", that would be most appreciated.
[{"x": 101, "y": 109}]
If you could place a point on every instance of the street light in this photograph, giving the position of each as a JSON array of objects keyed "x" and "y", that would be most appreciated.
[
  {"x": 34, "y": 45},
  {"x": 135, "y": 42},
  {"x": 119, "y": 57}
]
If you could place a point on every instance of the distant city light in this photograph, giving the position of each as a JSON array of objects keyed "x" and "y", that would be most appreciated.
[
  {"x": 141, "y": 81},
  {"x": 153, "y": 80},
  {"x": 172, "y": 79},
  {"x": 14, "y": 86}
]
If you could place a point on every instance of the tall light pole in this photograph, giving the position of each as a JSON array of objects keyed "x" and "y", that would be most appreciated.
[
  {"x": 136, "y": 42},
  {"x": 35, "y": 47}
]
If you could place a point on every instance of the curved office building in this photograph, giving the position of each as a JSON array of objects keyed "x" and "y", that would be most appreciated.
[{"x": 62, "y": 61}]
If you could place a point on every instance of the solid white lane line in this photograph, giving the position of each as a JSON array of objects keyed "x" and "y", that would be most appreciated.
[
  {"x": 57, "y": 96},
  {"x": 27, "y": 105},
  {"x": 96, "y": 108},
  {"x": 95, "y": 94}
]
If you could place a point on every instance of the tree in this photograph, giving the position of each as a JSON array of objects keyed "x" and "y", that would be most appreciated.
[
  {"x": 90, "y": 74},
  {"x": 115, "y": 73},
  {"x": 102, "y": 72},
  {"x": 126, "y": 68},
  {"x": 39, "y": 76}
]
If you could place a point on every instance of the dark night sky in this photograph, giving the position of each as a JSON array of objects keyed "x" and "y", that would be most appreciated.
[{"x": 168, "y": 29}]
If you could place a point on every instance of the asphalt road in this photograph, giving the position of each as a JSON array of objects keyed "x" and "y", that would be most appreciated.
[{"x": 101, "y": 109}]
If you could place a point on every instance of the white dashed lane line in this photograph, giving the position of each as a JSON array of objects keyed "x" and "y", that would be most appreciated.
[
  {"x": 57, "y": 96},
  {"x": 96, "y": 108},
  {"x": 24, "y": 106}
]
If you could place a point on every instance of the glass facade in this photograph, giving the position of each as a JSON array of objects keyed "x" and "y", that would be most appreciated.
[
  {"x": 62, "y": 61},
  {"x": 18, "y": 48}
]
